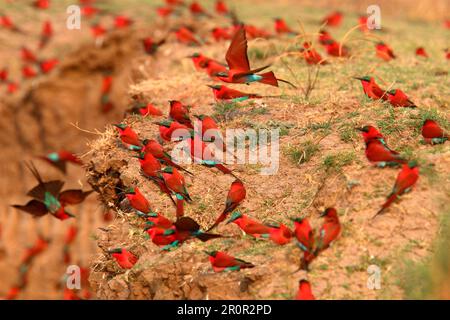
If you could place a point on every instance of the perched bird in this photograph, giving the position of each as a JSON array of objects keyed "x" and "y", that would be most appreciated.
[
  {"x": 60, "y": 159},
  {"x": 186, "y": 36},
  {"x": 138, "y": 201},
  {"x": 334, "y": 19},
  {"x": 281, "y": 27},
  {"x": 371, "y": 133},
  {"x": 97, "y": 30},
  {"x": 155, "y": 149},
  {"x": 180, "y": 112},
  {"x": 46, "y": 66},
  {"x": 221, "y": 8},
  {"x": 28, "y": 72},
  {"x": 175, "y": 182},
  {"x": 304, "y": 234},
  {"x": 41, "y": 4},
  {"x": 221, "y": 34},
  {"x": 46, "y": 34},
  {"x": 128, "y": 137},
  {"x": 145, "y": 109},
  {"x": 304, "y": 291},
  {"x": 330, "y": 230},
  {"x": 280, "y": 234},
  {"x": 225, "y": 93},
  {"x": 212, "y": 68},
  {"x": 4, "y": 75},
  {"x": 122, "y": 21},
  {"x": 362, "y": 20},
  {"x": 159, "y": 221},
  {"x": 433, "y": 133},
  {"x": 421, "y": 52},
  {"x": 372, "y": 89},
  {"x": 310, "y": 55},
  {"x": 150, "y": 46},
  {"x": 239, "y": 66},
  {"x": 325, "y": 37},
  {"x": 384, "y": 52},
  {"x": 167, "y": 128},
  {"x": 379, "y": 154},
  {"x": 235, "y": 196},
  {"x": 222, "y": 261},
  {"x": 250, "y": 226},
  {"x": 398, "y": 98},
  {"x": 124, "y": 258},
  {"x": 406, "y": 179},
  {"x": 197, "y": 10},
  {"x": 335, "y": 49},
  {"x": 199, "y": 60},
  {"x": 150, "y": 166}
]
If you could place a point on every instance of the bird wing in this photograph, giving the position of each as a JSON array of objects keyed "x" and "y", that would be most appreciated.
[
  {"x": 236, "y": 56},
  {"x": 33, "y": 207},
  {"x": 208, "y": 236},
  {"x": 74, "y": 196},
  {"x": 53, "y": 187},
  {"x": 186, "y": 224}
]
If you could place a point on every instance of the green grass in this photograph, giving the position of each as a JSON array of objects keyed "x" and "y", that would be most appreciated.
[
  {"x": 335, "y": 162},
  {"x": 302, "y": 153}
]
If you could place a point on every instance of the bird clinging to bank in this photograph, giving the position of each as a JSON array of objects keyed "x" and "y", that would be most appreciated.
[
  {"x": 433, "y": 133},
  {"x": 222, "y": 261}
]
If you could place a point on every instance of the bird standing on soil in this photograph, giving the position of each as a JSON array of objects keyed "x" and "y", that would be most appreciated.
[
  {"x": 334, "y": 19},
  {"x": 433, "y": 133},
  {"x": 304, "y": 291},
  {"x": 222, "y": 261},
  {"x": 138, "y": 201},
  {"x": 398, "y": 98},
  {"x": 378, "y": 153},
  {"x": 250, "y": 226},
  {"x": 145, "y": 109},
  {"x": 224, "y": 93},
  {"x": 384, "y": 52},
  {"x": 124, "y": 258},
  {"x": 180, "y": 112},
  {"x": 239, "y": 65},
  {"x": 150, "y": 46},
  {"x": 406, "y": 179},
  {"x": 128, "y": 137},
  {"x": 168, "y": 127},
  {"x": 281, "y": 27},
  {"x": 371, "y": 88},
  {"x": 235, "y": 196},
  {"x": 280, "y": 234},
  {"x": 304, "y": 234},
  {"x": 370, "y": 133}
]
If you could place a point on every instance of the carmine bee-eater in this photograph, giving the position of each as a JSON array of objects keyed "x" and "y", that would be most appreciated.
[
  {"x": 250, "y": 226},
  {"x": 239, "y": 65},
  {"x": 235, "y": 196},
  {"x": 46, "y": 66},
  {"x": 145, "y": 109},
  {"x": 335, "y": 49},
  {"x": 362, "y": 20},
  {"x": 128, "y": 137},
  {"x": 197, "y": 10},
  {"x": 221, "y": 34},
  {"x": 174, "y": 180},
  {"x": 165, "y": 11},
  {"x": 304, "y": 291},
  {"x": 334, "y": 19},
  {"x": 12, "y": 87},
  {"x": 48, "y": 198},
  {"x": 167, "y": 128},
  {"x": 28, "y": 55},
  {"x": 157, "y": 150},
  {"x": 372, "y": 89},
  {"x": 97, "y": 30},
  {"x": 304, "y": 234},
  {"x": 325, "y": 37},
  {"x": 28, "y": 72},
  {"x": 222, "y": 261},
  {"x": 280, "y": 234},
  {"x": 406, "y": 179},
  {"x": 213, "y": 67},
  {"x": 150, "y": 166},
  {"x": 199, "y": 60},
  {"x": 89, "y": 11},
  {"x": 281, "y": 27},
  {"x": 7, "y": 23},
  {"x": 225, "y": 93},
  {"x": 124, "y": 258},
  {"x": 187, "y": 228},
  {"x": 384, "y": 52},
  {"x": 221, "y": 8},
  {"x": 41, "y": 4},
  {"x": 187, "y": 36},
  {"x": 310, "y": 54},
  {"x": 158, "y": 221},
  {"x": 46, "y": 34},
  {"x": 421, "y": 52},
  {"x": 150, "y": 46},
  {"x": 4, "y": 75},
  {"x": 330, "y": 230},
  {"x": 60, "y": 159},
  {"x": 162, "y": 237},
  {"x": 379, "y": 154},
  {"x": 138, "y": 201},
  {"x": 371, "y": 133},
  {"x": 180, "y": 112},
  {"x": 398, "y": 98},
  {"x": 122, "y": 21},
  {"x": 432, "y": 133}
]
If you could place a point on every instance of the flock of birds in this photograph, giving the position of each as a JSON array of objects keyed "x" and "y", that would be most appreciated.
[{"x": 169, "y": 177}]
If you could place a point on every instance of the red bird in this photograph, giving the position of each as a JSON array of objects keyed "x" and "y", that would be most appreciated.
[
  {"x": 398, "y": 98},
  {"x": 175, "y": 182},
  {"x": 46, "y": 34},
  {"x": 60, "y": 159},
  {"x": 151, "y": 46},
  {"x": 145, "y": 109},
  {"x": 406, "y": 179},
  {"x": 138, "y": 201},
  {"x": 163, "y": 237},
  {"x": 384, "y": 52},
  {"x": 371, "y": 88},
  {"x": 167, "y": 128},
  {"x": 156, "y": 220},
  {"x": 310, "y": 54},
  {"x": 221, "y": 34},
  {"x": 41, "y": 4},
  {"x": 197, "y": 10},
  {"x": 325, "y": 37},
  {"x": 235, "y": 196},
  {"x": 155, "y": 149},
  {"x": 46, "y": 66},
  {"x": 239, "y": 66},
  {"x": 304, "y": 291},
  {"x": 371, "y": 133},
  {"x": 379, "y": 154},
  {"x": 4, "y": 75},
  {"x": 97, "y": 30},
  {"x": 225, "y": 93},
  {"x": 363, "y": 24},
  {"x": 433, "y": 133},
  {"x": 304, "y": 234},
  {"x": 282, "y": 27},
  {"x": 128, "y": 137},
  {"x": 150, "y": 166},
  {"x": 330, "y": 230},
  {"x": 89, "y": 11},
  {"x": 186, "y": 36},
  {"x": 221, "y": 8},
  {"x": 335, "y": 49},
  {"x": 164, "y": 11},
  {"x": 122, "y": 21},
  {"x": 280, "y": 234},
  {"x": 180, "y": 112},
  {"x": 213, "y": 68},
  {"x": 250, "y": 226},
  {"x": 124, "y": 258},
  {"x": 12, "y": 87},
  {"x": 199, "y": 60},
  {"x": 221, "y": 261},
  {"x": 421, "y": 52},
  {"x": 28, "y": 55},
  {"x": 334, "y": 19},
  {"x": 28, "y": 72}
]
